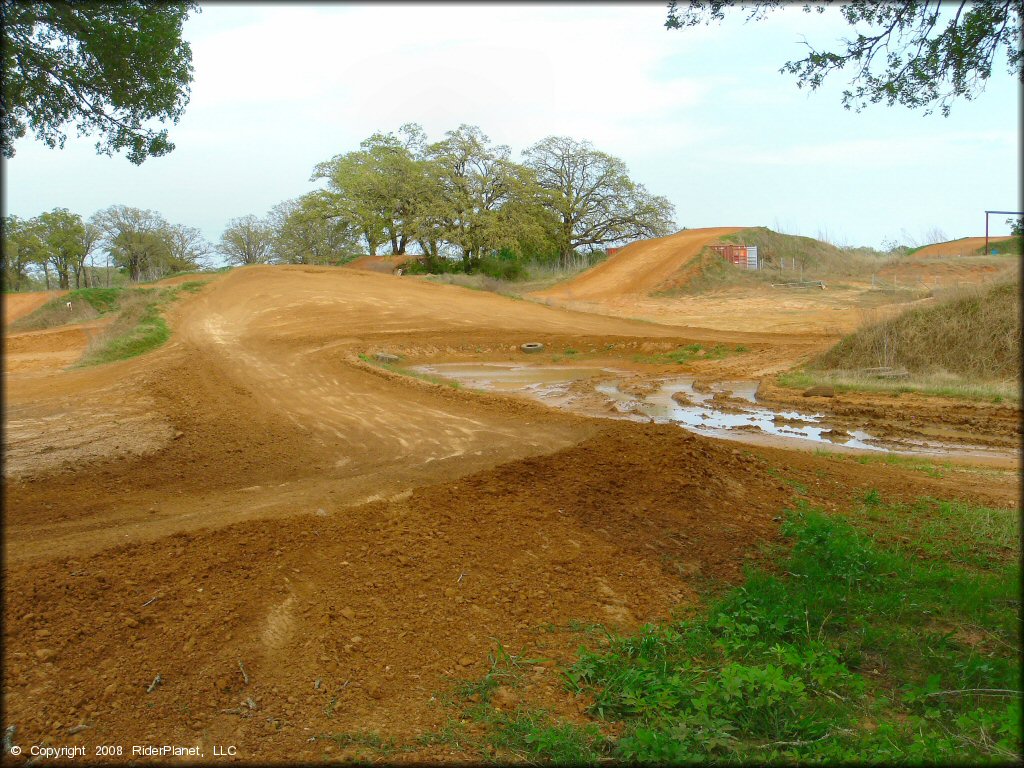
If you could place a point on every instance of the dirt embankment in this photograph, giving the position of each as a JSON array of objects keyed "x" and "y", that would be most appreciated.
[
  {"x": 639, "y": 268},
  {"x": 965, "y": 246},
  {"x": 17, "y": 305}
]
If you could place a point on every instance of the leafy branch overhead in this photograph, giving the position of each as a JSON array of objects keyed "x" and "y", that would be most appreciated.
[
  {"x": 922, "y": 54},
  {"x": 111, "y": 69}
]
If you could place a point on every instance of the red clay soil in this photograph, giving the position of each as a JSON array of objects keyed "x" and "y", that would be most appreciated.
[
  {"x": 253, "y": 537},
  {"x": 638, "y": 268},
  {"x": 17, "y": 305},
  {"x": 965, "y": 246}
]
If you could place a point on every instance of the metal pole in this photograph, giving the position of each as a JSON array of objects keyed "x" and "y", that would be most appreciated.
[{"x": 986, "y": 233}]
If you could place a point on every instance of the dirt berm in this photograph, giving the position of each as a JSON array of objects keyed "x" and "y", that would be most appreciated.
[{"x": 352, "y": 619}]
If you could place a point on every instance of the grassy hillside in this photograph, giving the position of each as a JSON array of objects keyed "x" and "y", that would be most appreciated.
[
  {"x": 973, "y": 333},
  {"x": 1012, "y": 247},
  {"x": 783, "y": 258},
  {"x": 137, "y": 322}
]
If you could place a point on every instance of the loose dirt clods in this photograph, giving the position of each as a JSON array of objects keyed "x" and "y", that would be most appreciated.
[{"x": 250, "y": 536}]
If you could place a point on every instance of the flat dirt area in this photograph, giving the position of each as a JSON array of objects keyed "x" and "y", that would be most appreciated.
[{"x": 255, "y": 536}]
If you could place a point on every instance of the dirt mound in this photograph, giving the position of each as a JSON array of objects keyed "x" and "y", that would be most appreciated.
[
  {"x": 17, "y": 305},
  {"x": 639, "y": 268},
  {"x": 965, "y": 246},
  {"x": 352, "y": 619},
  {"x": 384, "y": 264}
]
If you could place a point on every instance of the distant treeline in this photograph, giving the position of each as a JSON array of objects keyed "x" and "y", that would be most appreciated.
[{"x": 460, "y": 202}]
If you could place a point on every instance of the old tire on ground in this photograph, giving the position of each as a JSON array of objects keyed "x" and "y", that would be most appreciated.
[{"x": 532, "y": 346}]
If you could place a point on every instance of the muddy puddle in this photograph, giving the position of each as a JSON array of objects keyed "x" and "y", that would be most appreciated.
[{"x": 724, "y": 409}]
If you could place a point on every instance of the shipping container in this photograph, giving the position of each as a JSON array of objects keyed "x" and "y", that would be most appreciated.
[{"x": 744, "y": 256}]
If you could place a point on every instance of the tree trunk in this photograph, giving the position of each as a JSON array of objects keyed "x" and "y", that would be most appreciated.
[{"x": 46, "y": 271}]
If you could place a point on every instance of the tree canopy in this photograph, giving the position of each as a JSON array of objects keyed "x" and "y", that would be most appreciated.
[
  {"x": 918, "y": 53},
  {"x": 592, "y": 196},
  {"x": 111, "y": 68}
]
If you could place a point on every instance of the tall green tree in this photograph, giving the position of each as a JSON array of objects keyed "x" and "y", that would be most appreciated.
[
  {"x": 383, "y": 189},
  {"x": 305, "y": 231},
  {"x": 64, "y": 236},
  {"x": 592, "y": 196},
  {"x": 111, "y": 68},
  {"x": 918, "y": 53},
  {"x": 23, "y": 248},
  {"x": 247, "y": 240},
  {"x": 135, "y": 238},
  {"x": 478, "y": 184},
  {"x": 187, "y": 249}
]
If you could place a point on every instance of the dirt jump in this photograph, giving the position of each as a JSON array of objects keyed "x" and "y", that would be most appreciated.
[
  {"x": 258, "y": 535},
  {"x": 965, "y": 246},
  {"x": 640, "y": 267}
]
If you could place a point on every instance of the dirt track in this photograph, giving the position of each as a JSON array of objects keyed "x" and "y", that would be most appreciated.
[{"x": 253, "y": 491}]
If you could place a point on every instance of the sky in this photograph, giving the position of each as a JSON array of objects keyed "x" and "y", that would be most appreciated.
[{"x": 701, "y": 116}]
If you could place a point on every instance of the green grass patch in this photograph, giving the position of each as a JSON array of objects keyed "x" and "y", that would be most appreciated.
[
  {"x": 140, "y": 326},
  {"x": 888, "y": 635},
  {"x": 862, "y": 647},
  {"x": 86, "y": 304},
  {"x": 395, "y": 368},
  {"x": 928, "y": 467},
  {"x": 691, "y": 352},
  {"x": 938, "y": 385}
]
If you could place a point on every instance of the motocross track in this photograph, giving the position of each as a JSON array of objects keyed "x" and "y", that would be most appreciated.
[{"x": 300, "y": 543}]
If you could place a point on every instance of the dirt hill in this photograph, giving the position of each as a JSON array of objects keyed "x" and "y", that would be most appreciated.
[
  {"x": 640, "y": 267},
  {"x": 965, "y": 246}
]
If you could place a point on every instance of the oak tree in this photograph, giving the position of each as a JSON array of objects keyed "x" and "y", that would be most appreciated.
[
  {"x": 918, "y": 53},
  {"x": 110, "y": 68},
  {"x": 592, "y": 196}
]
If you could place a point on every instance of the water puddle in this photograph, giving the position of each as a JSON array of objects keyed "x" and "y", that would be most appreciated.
[{"x": 725, "y": 409}]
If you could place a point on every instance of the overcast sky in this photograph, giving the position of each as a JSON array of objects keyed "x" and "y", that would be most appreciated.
[{"x": 701, "y": 116}]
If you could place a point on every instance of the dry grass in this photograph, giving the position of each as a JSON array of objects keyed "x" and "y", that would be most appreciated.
[{"x": 972, "y": 332}]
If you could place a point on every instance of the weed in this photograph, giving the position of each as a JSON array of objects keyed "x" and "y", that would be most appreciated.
[
  {"x": 689, "y": 353},
  {"x": 368, "y": 740},
  {"x": 974, "y": 334},
  {"x": 534, "y": 736},
  {"x": 863, "y": 651},
  {"x": 941, "y": 385},
  {"x": 872, "y": 498}
]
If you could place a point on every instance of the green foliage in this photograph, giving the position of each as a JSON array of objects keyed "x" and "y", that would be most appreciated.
[
  {"x": 140, "y": 326},
  {"x": 534, "y": 736},
  {"x": 591, "y": 197},
  {"x": 110, "y": 68},
  {"x": 86, "y": 303},
  {"x": 863, "y": 650},
  {"x": 691, "y": 352},
  {"x": 901, "y": 53},
  {"x": 942, "y": 385},
  {"x": 135, "y": 332}
]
